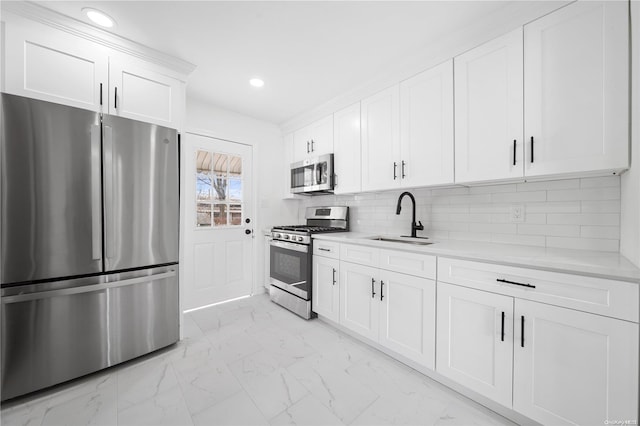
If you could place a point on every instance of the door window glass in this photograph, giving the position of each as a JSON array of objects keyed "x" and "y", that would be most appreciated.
[{"x": 218, "y": 189}]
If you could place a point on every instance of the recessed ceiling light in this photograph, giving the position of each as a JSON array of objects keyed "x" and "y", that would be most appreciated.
[
  {"x": 99, "y": 17},
  {"x": 256, "y": 82}
]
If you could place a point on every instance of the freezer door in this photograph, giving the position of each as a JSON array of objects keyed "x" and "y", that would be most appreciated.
[
  {"x": 50, "y": 185},
  {"x": 57, "y": 331},
  {"x": 141, "y": 207}
]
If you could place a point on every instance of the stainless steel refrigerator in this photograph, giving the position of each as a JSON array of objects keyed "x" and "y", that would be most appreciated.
[{"x": 89, "y": 242}]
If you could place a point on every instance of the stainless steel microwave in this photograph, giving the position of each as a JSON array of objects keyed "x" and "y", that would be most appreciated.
[{"x": 312, "y": 175}]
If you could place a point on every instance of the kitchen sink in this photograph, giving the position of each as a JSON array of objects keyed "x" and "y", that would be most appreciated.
[{"x": 407, "y": 240}]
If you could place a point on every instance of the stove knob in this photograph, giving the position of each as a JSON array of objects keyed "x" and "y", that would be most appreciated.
[
  {"x": 286, "y": 236},
  {"x": 300, "y": 238},
  {"x": 277, "y": 235}
]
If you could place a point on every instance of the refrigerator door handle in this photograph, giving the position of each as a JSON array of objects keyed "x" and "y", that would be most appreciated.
[
  {"x": 85, "y": 289},
  {"x": 108, "y": 193},
  {"x": 96, "y": 213}
]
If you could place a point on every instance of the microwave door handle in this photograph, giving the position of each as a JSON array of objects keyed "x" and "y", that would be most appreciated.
[{"x": 318, "y": 173}]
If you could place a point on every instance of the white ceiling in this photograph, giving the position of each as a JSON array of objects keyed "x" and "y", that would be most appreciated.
[{"x": 307, "y": 52}]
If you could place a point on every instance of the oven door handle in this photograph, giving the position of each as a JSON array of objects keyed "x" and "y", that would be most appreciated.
[{"x": 302, "y": 248}]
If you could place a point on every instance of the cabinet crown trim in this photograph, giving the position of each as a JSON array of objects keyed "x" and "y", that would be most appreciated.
[{"x": 80, "y": 29}]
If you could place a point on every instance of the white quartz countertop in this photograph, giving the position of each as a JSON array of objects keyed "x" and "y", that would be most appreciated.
[{"x": 583, "y": 262}]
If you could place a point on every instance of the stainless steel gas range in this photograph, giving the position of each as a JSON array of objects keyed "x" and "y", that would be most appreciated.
[{"x": 291, "y": 255}]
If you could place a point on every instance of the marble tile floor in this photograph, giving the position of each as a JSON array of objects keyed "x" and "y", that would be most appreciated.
[{"x": 251, "y": 362}]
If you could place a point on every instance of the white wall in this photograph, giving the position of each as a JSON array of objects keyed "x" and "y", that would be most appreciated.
[
  {"x": 571, "y": 213},
  {"x": 630, "y": 185},
  {"x": 268, "y": 167}
]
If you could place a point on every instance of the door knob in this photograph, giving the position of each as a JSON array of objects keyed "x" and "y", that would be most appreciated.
[{"x": 247, "y": 231}]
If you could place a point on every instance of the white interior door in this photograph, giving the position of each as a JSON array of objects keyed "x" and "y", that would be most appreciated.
[{"x": 218, "y": 221}]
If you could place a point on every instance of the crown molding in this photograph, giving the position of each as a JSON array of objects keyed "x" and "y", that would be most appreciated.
[{"x": 77, "y": 28}]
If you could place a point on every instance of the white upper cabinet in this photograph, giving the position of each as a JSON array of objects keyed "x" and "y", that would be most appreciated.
[
  {"x": 426, "y": 127},
  {"x": 314, "y": 140},
  {"x": 488, "y": 111},
  {"x": 381, "y": 140},
  {"x": 346, "y": 149},
  {"x": 577, "y": 89},
  {"x": 287, "y": 145},
  {"x": 573, "y": 368},
  {"x": 54, "y": 66},
  {"x": 139, "y": 92}
]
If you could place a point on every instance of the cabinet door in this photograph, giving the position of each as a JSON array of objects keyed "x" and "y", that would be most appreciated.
[
  {"x": 426, "y": 127},
  {"x": 54, "y": 66},
  {"x": 473, "y": 346},
  {"x": 346, "y": 142},
  {"x": 314, "y": 140},
  {"x": 381, "y": 140},
  {"x": 325, "y": 293},
  {"x": 287, "y": 157},
  {"x": 571, "y": 367},
  {"x": 144, "y": 94},
  {"x": 359, "y": 305},
  {"x": 407, "y": 316},
  {"x": 322, "y": 136},
  {"x": 301, "y": 144},
  {"x": 488, "y": 110},
  {"x": 577, "y": 89}
]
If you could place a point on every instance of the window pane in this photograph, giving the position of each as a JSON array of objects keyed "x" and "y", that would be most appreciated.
[
  {"x": 203, "y": 214},
  {"x": 203, "y": 161},
  {"x": 235, "y": 214},
  {"x": 235, "y": 166},
  {"x": 235, "y": 189},
  {"x": 220, "y": 182},
  {"x": 220, "y": 214}
]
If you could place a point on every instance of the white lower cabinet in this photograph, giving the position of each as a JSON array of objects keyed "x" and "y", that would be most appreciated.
[
  {"x": 326, "y": 288},
  {"x": 565, "y": 366},
  {"x": 396, "y": 310},
  {"x": 359, "y": 309},
  {"x": 474, "y": 348},
  {"x": 571, "y": 367}
]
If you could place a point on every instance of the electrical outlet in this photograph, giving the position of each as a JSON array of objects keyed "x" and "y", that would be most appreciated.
[{"x": 517, "y": 213}]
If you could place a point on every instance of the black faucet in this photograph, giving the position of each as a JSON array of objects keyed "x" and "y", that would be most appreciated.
[{"x": 414, "y": 227}]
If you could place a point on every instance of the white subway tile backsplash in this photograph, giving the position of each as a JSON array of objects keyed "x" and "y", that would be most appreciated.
[
  {"x": 585, "y": 194},
  {"x": 602, "y": 219},
  {"x": 610, "y": 232},
  {"x": 554, "y": 207},
  {"x": 600, "y": 182},
  {"x": 570, "y": 213},
  {"x": 519, "y": 197},
  {"x": 556, "y": 230}
]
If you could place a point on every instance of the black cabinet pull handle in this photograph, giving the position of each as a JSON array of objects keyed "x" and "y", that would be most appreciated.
[
  {"x": 395, "y": 167},
  {"x": 334, "y": 276},
  {"x": 100, "y": 93},
  {"x": 502, "y": 329},
  {"x": 373, "y": 293},
  {"x": 514, "y": 152},
  {"x": 522, "y": 331},
  {"x": 381, "y": 287},
  {"x": 500, "y": 280},
  {"x": 115, "y": 99},
  {"x": 311, "y": 145},
  {"x": 403, "y": 164},
  {"x": 532, "y": 149},
  {"x": 307, "y": 147},
  {"x": 323, "y": 249}
]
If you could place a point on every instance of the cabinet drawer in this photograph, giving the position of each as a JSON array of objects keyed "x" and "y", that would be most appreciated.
[
  {"x": 611, "y": 298},
  {"x": 362, "y": 255},
  {"x": 326, "y": 248},
  {"x": 420, "y": 265}
]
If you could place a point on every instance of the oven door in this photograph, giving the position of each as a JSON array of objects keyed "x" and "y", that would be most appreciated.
[{"x": 291, "y": 268}]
